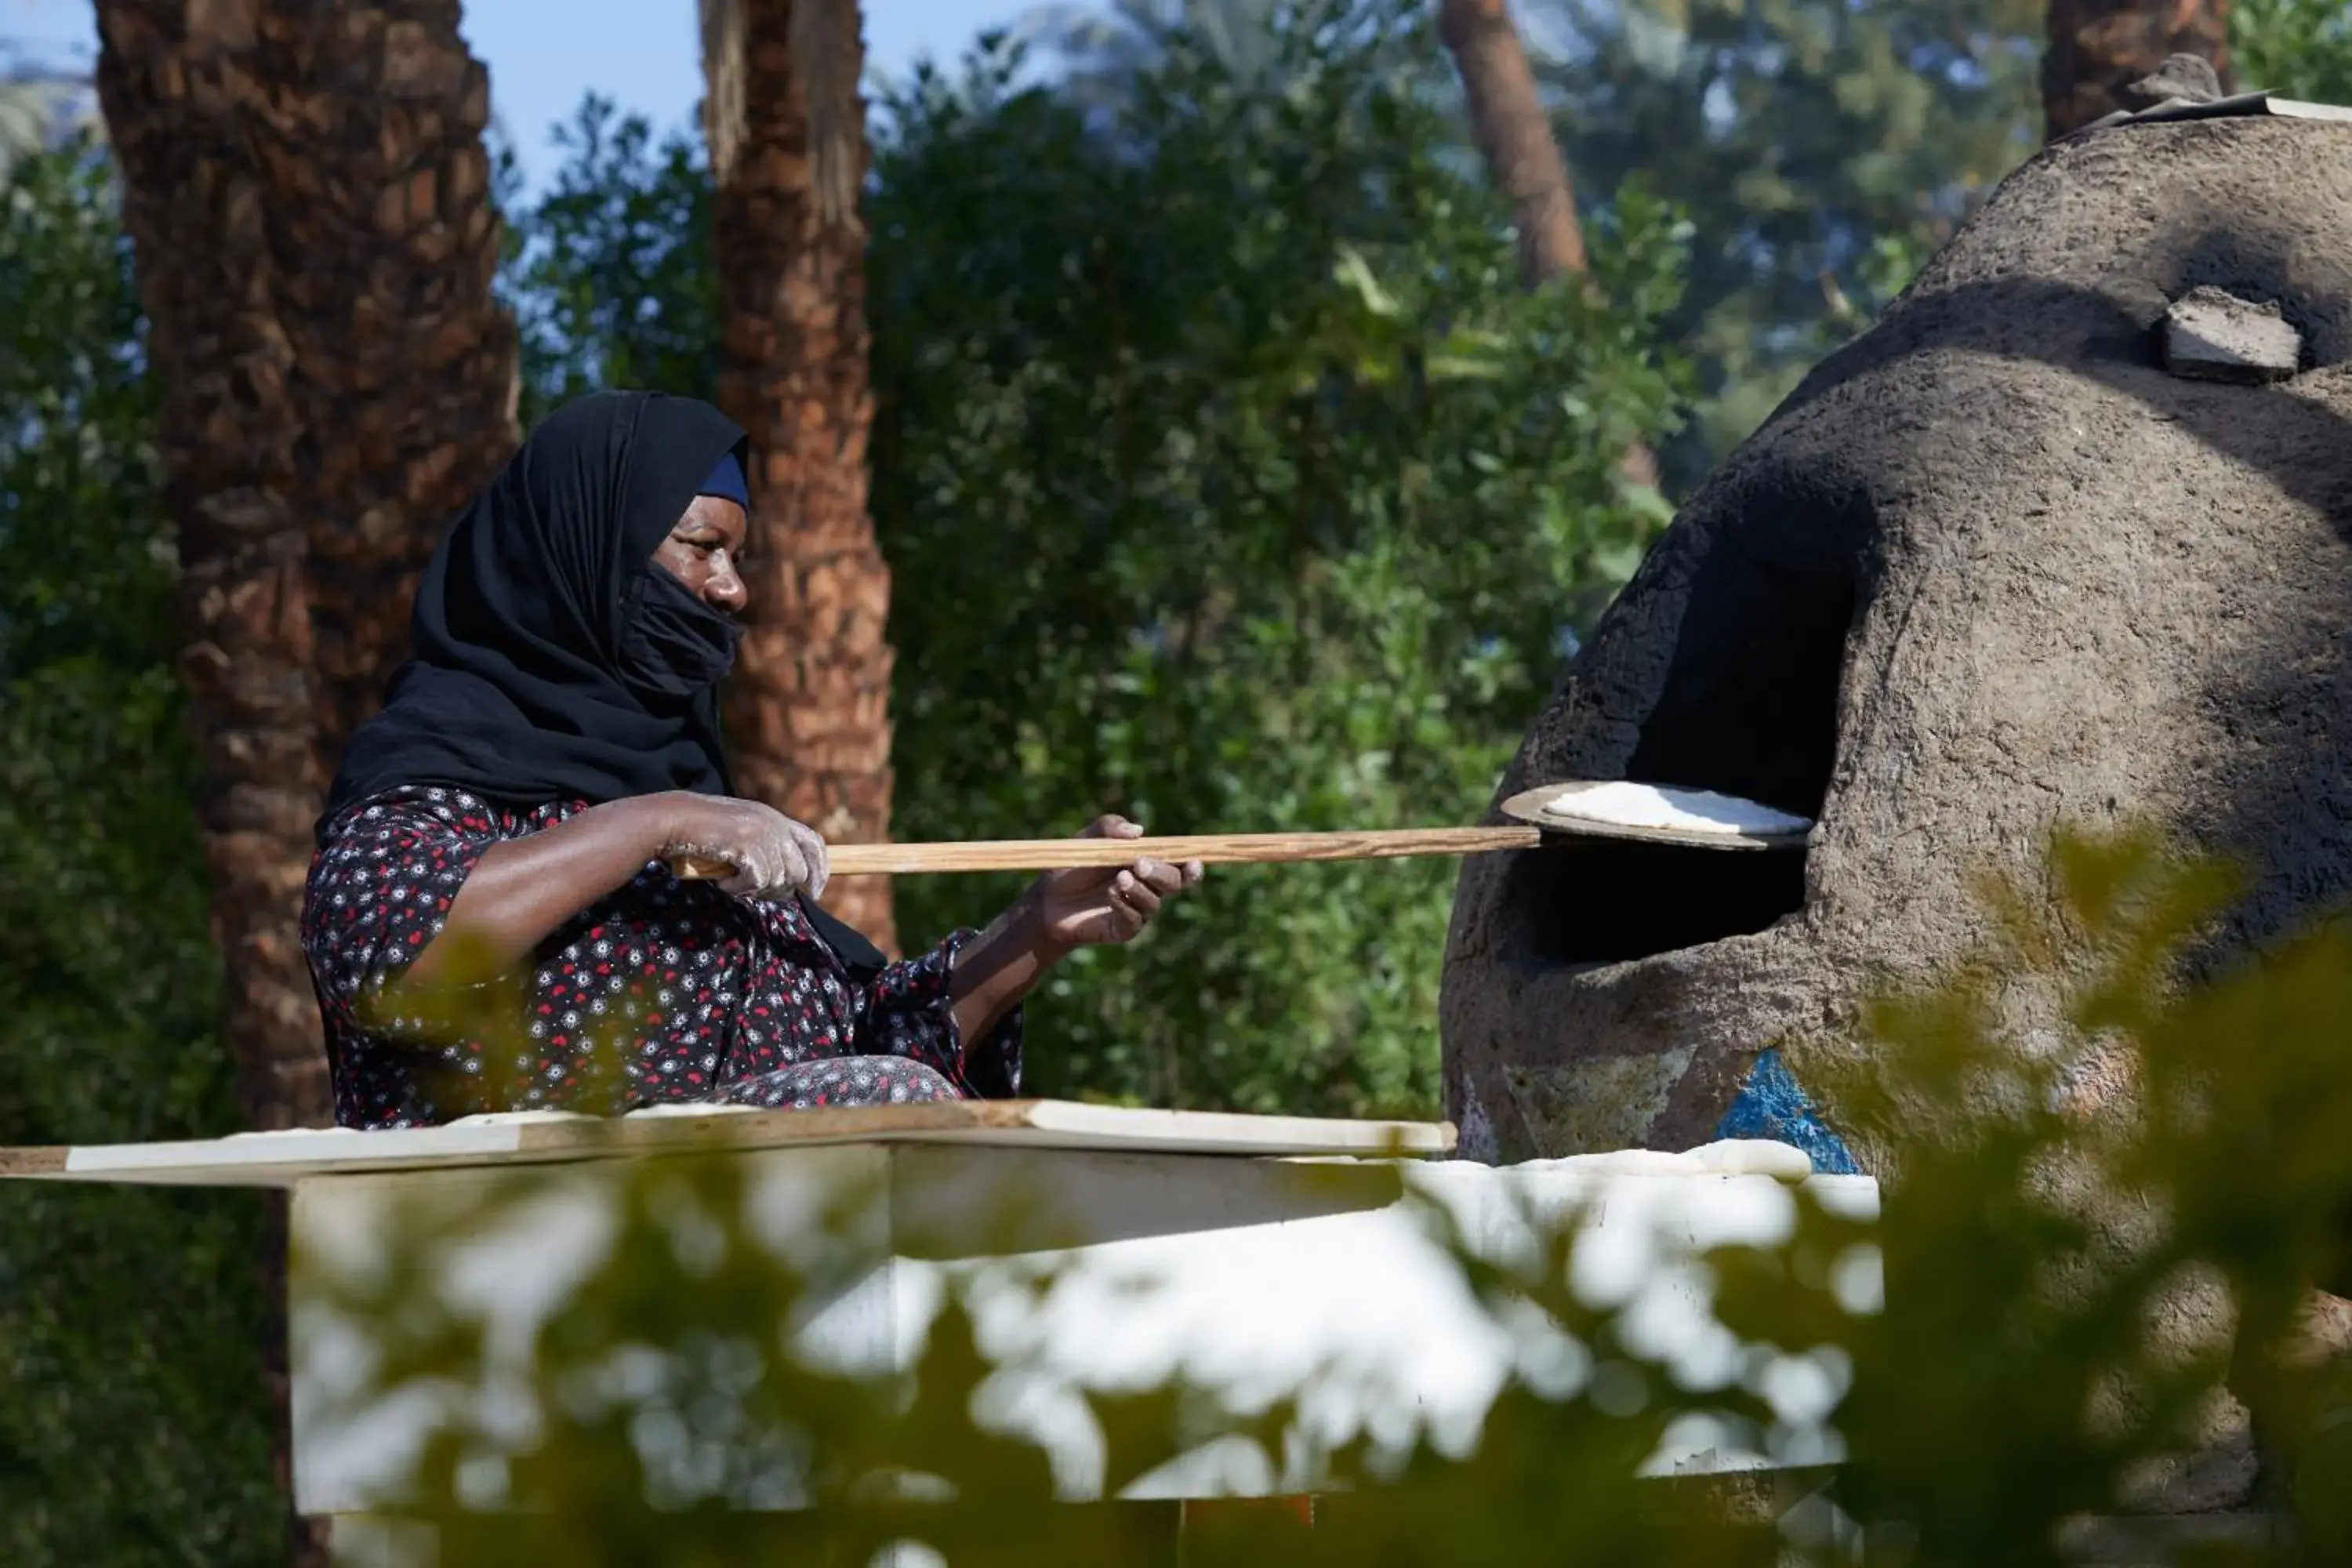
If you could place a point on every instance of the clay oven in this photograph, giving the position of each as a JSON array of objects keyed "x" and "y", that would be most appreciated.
[{"x": 1992, "y": 566}]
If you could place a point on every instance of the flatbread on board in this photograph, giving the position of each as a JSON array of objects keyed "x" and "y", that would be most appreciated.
[{"x": 1664, "y": 812}]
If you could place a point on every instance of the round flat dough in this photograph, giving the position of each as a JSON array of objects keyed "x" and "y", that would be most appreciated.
[{"x": 1627, "y": 804}]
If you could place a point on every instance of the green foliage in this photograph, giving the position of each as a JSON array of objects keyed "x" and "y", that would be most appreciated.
[
  {"x": 1822, "y": 150},
  {"x": 1103, "y": 53},
  {"x": 2075, "y": 1144},
  {"x": 40, "y": 106},
  {"x": 2299, "y": 48},
  {"x": 609, "y": 273},
  {"x": 128, "y": 1320},
  {"x": 1228, "y": 481}
]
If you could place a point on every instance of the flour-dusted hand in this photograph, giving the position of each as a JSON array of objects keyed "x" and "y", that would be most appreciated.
[
  {"x": 773, "y": 856},
  {"x": 1089, "y": 906}
]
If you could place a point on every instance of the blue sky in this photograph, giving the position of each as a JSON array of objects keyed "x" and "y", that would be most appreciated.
[{"x": 543, "y": 54}]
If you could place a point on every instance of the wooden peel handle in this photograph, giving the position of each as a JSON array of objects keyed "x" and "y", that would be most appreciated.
[{"x": 1212, "y": 849}]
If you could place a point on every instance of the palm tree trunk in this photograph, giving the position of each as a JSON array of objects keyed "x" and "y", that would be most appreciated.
[
  {"x": 2098, "y": 47},
  {"x": 176, "y": 81},
  {"x": 1514, "y": 137},
  {"x": 308, "y": 194},
  {"x": 305, "y": 189},
  {"x": 172, "y": 90},
  {"x": 809, "y": 705},
  {"x": 380, "y": 220}
]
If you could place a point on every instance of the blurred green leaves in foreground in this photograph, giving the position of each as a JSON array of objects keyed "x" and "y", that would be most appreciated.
[{"x": 2107, "y": 1195}]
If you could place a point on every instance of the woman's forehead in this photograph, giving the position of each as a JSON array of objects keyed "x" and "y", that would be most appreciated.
[{"x": 715, "y": 512}]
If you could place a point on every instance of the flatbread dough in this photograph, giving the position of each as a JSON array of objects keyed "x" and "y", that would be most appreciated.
[{"x": 1685, "y": 810}]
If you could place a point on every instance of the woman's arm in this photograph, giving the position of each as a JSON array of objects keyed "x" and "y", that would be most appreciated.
[
  {"x": 999, "y": 967},
  {"x": 523, "y": 889}
]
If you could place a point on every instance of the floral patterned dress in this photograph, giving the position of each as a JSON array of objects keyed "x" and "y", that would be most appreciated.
[{"x": 661, "y": 992}]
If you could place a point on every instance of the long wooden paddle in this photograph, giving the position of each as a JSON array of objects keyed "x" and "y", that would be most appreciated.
[
  {"x": 1539, "y": 812},
  {"x": 1209, "y": 848}
]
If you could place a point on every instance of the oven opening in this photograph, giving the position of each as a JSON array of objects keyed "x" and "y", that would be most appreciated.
[{"x": 1750, "y": 708}]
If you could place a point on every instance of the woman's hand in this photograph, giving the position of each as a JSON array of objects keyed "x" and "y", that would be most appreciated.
[
  {"x": 773, "y": 856},
  {"x": 1082, "y": 907},
  {"x": 1088, "y": 906}
]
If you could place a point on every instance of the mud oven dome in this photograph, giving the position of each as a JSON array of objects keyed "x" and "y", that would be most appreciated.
[{"x": 1990, "y": 568}]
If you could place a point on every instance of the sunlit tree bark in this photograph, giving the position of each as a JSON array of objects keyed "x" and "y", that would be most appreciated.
[
  {"x": 809, "y": 704},
  {"x": 1522, "y": 157}
]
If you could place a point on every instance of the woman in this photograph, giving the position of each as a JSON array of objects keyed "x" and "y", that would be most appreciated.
[{"x": 500, "y": 833}]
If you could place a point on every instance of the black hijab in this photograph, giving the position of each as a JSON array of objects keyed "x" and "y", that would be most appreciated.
[{"x": 537, "y": 669}]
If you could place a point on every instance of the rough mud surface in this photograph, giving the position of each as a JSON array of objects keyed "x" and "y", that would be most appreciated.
[{"x": 1990, "y": 568}]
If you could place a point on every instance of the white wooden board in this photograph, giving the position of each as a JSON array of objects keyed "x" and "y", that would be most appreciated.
[{"x": 280, "y": 1159}]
